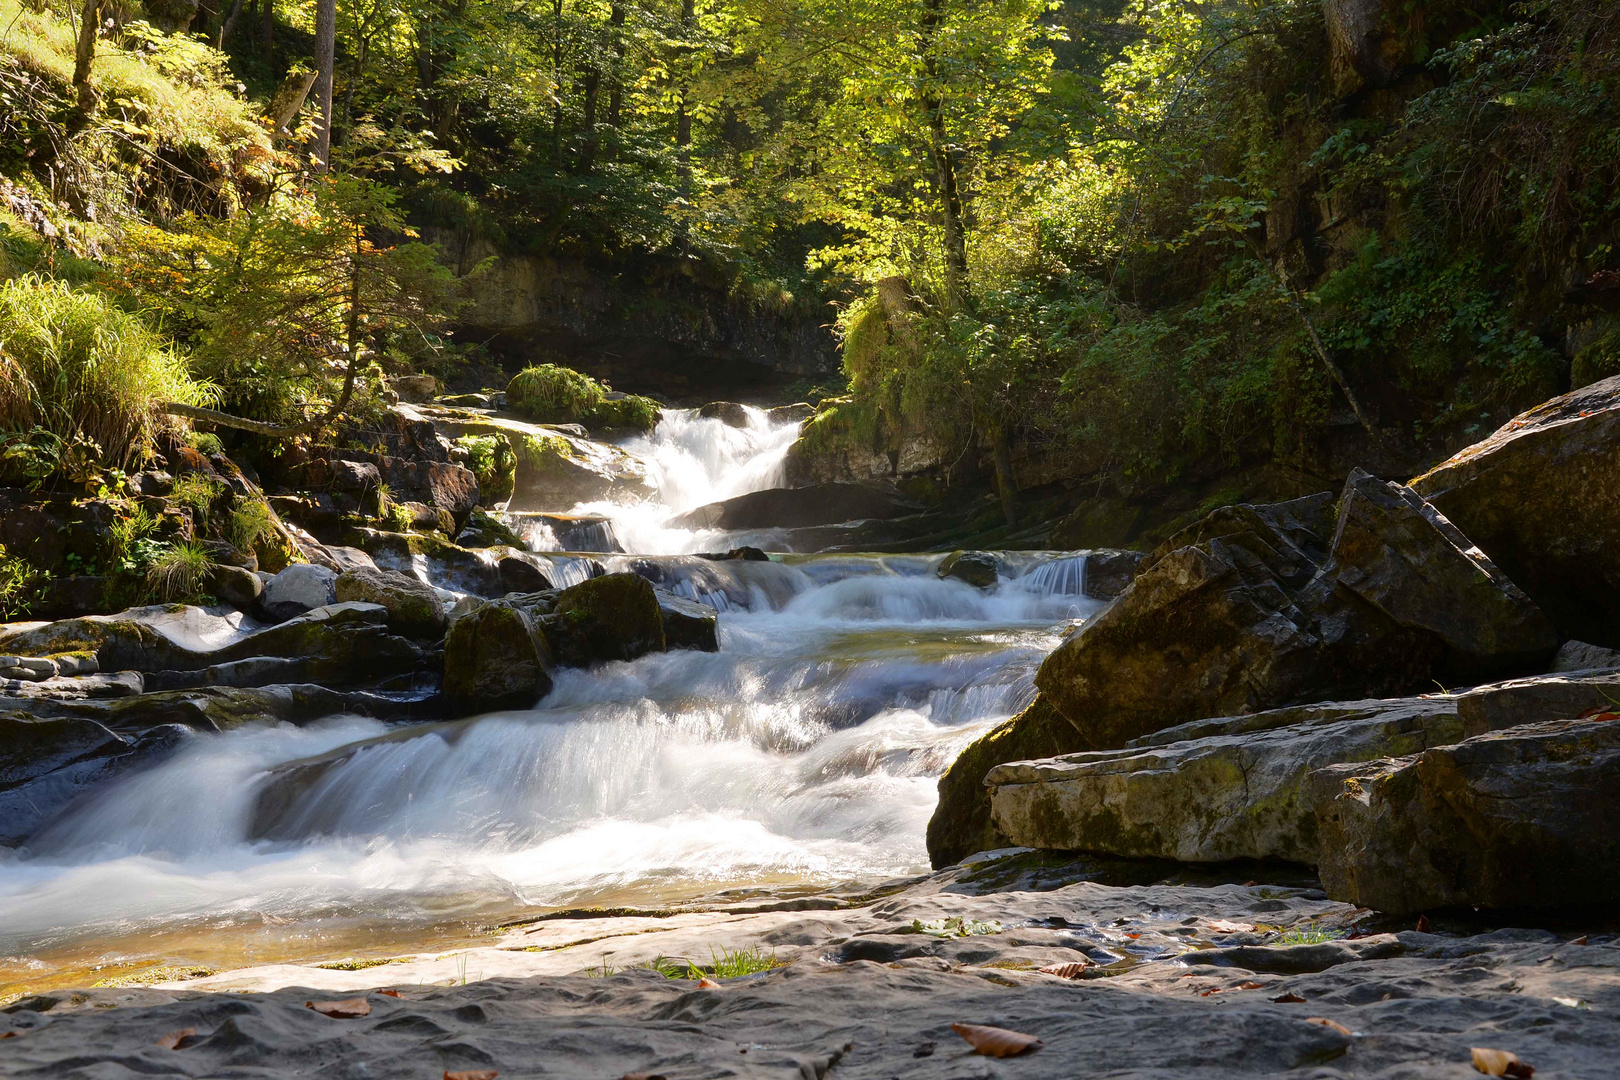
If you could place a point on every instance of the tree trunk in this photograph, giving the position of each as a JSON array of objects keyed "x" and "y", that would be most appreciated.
[
  {"x": 946, "y": 159},
  {"x": 268, "y": 31},
  {"x": 616, "y": 83},
  {"x": 228, "y": 25},
  {"x": 289, "y": 99},
  {"x": 325, "y": 57},
  {"x": 84, "y": 58},
  {"x": 1006, "y": 486}
]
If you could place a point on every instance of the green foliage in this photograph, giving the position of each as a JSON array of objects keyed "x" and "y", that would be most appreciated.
[
  {"x": 1311, "y": 935},
  {"x": 725, "y": 964},
  {"x": 552, "y": 394},
  {"x": 955, "y": 927},
  {"x": 179, "y": 575},
  {"x": 205, "y": 442},
  {"x": 21, "y": 585},
  {"x": 251, "y": 521},
  {"x": 1599, "y": 360},
  {"x": 80, "y": 369},
  {"x": 197, "y": 493}
]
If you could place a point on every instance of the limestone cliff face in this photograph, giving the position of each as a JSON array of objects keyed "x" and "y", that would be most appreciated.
[{"x": 677, "y": 317}]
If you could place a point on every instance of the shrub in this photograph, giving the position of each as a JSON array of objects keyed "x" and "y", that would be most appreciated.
[
  {"x": 74, "y": 365},
  {"x": 197, "y": 493},
  {"x": 20, "y": 585},
  {"x": 248, "y": 524},
  {"x": 551, "y": 394},
  {"x": 180, "y": 575}
]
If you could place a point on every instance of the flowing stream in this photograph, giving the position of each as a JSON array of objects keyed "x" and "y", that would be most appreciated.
[{"x": 804, "y": 754}]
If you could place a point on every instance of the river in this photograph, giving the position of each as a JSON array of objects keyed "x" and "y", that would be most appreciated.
[{"x": 804, "y": 754}]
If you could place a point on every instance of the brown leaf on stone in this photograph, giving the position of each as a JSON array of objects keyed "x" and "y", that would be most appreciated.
[
  {"x": 389, "y": 993},
  {"x": 10, "y": 1034},
  {"x": 1501, "y": 1063},
  {"x": 1579, "y": 941},
  {"x": 347, "y": 1009},
  {"x": 1065, "y": 971},
  {"x": 471, "y": 1074},
  {"x": 1325, "y": 1022},
  {"x": 1289, "y": 998},
  {"x": 1423, "y": 924},
  {"x": 172, "y": 1040},
  {"x": 643, "y": 1076},
  {"x": 994, "y": 1041},
  {"x": 708, "y": 984},
  {"x": 1227, "y": 926},
  {"x": 1251, "y": 985}
]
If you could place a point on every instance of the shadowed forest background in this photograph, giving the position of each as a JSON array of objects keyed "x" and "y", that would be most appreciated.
[{"x": 1091, "y": 254}]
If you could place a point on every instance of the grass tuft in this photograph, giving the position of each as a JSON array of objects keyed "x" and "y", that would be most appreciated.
[{"x": 180, "y": 575}]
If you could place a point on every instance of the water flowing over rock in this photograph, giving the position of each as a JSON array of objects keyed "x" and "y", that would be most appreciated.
[
  {"x": 1538, "y": 498},
  {"x": 980, "y": 569},
  {"x": 818, "y": 504},
  {"x": 1522, "y": 818}
]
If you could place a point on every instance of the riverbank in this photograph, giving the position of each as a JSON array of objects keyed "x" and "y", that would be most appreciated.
[{"x": 1152, "y": 980}]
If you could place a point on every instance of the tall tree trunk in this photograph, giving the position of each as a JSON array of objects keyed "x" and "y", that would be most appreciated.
[
  {"x": 946, "y": 161},
  {"x": 267, "y": 30},
  {"x": 84, "y": 58},
  {"x": 683, "y": 116},
  {"x": 587, "y": 150},
  {"x": 616, "y": 83},
  {"x": 228, "y": 25},
  {"x": 325, "y": 57}
]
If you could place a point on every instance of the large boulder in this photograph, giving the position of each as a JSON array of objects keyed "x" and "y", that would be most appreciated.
[
  {"x": 495, "y": 657},
  {"x": 1538, "y": 497},
  {"x": 980, "y": 569},
  {"x": 961, "y": 824},
  {"x": 414, "y": 608},
  {"x": 727, "y": 412},
  {"x": 688, "y": 624},
  {"x": 300, "y": 588},
  {"x": 816, "y": 504},
  {"x": 1403, "y": 556},
  {"x": 1237, "y": 792},
  {"x": 613, "y": 617},
  {"x": 1520, "y": 818}
]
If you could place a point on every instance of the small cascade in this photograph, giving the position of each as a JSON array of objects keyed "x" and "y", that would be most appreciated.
[
  {"x": 565, "y": 532},
  {"x": 1062, "y": 576}
]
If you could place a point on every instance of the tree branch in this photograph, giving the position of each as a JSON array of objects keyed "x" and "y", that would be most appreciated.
[{"x": 274, "y": 431}]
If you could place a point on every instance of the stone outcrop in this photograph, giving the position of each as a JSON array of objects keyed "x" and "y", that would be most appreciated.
[
  {"x": 1254, "y": 608},
  {"x": 1537, "y": 496},
  {"x": 980, "y": 569},
  {"x": 1518, "y": 818},
  {"x": 414, "y": 608},
  {"x": 1236, "y": 793},
  {"x": 300, "y": 588},
  {"x": 727, "y": 412},
  {"x": 688, "y": 624},
  {"x": 817, "y": 504},
  {"x": 613, "y": 617},
  {"x": 495, "y": 657},
  {"x": 961, "y": 823}
]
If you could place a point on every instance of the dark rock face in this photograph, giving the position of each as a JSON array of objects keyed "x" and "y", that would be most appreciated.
[
  {"x": 300, "y": 588},
  {"x": 961, "y": 824},
  {"x": 519, "y": 574},
  {"x": 817, "y": 504},
  {"x": 799, "y": 412},
  {"x": 1405, "y": 558},
  {"x": 980, "y": 569},
  {"x": 414, "y": 608},
  {"x": 496, "y": 658},
  {"x": 613, "y": 617},
  {"x": 1511, "y": 819},
  {"x": 688, "y": 624},
  {"x": 1538, "y": 497},
  {"x": 1369, "y": 40},
  {"x": 1109, "y": 572},
  {"x": 727, "y": 412}
]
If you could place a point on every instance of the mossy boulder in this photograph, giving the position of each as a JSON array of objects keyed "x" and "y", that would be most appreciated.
[
  {"x": 961, "y": 824},
  {"x": 1236, "y": 791},
  {"x": 495, "y": 657},
  {"x": 1519, "y": 818},
  {"x": 414, "y": 608},
  {"x": 613, "y": 617},
  {"x": 980, "y": 569}
]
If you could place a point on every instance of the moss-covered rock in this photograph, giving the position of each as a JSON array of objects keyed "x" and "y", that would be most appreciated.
[
  {"x": 613, "y": 617},
  {"x": 961, "y": 824},
  {"x": 496, "y": 658},
  {"x": 980, "y": 569},
  {"x": 414, "y": 608}
]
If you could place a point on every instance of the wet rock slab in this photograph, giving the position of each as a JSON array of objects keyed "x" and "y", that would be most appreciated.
[{"x": 1181, "y": 982}]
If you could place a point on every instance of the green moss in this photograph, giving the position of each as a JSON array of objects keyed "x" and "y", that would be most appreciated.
[
  {"x": 1599, "y": 360},
  {"x": 552, "y": 394}
]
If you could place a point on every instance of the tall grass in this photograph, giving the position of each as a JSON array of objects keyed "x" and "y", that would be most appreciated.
[{"x": 74, "y": 364}]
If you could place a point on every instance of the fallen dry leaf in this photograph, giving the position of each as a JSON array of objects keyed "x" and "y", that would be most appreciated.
[
  {"x": 10, "y": 1034},
  {"x": 1226, "y": 926},
  {"x": 1579, "y": 941},
  {"x": 172, "y": 1040},
  {"x": 1289, "y": 998},
  {"x": 1423, "y": 924},
  {"x": 347, "y": 1009},
  {"x": 1228, "y": 989},
  {"x": 708, "y": 984},
  {"x": 994, "y": 1041},
  {"x": 1065, "y": 971},
  {"x": 389, "y": 993},
  {"x": 1325, "y": 1022},
  {"x": 1500, "y": 1063},
  {"x": 471, "y": 1074},
  {"x": 643, "y": 1076}
]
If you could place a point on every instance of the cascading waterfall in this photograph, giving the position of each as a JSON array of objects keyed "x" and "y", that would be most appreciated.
[{"x": 803, "y": 754}]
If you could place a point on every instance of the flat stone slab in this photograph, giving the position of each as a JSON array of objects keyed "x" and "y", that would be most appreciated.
[{"x": 863, "y": 995}]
